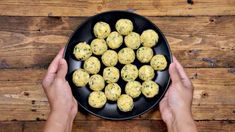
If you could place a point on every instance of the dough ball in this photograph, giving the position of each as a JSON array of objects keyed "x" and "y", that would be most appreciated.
[
  {"x": 125, "y": 103},
  {"x": 102, "y": 30},
  {"x": 112, "y": 91},
  {"x": 97, "y": 99},
  {"x": 129, "y": 72},
  {"x": 98, "y": 46},
  {"x": 132, "y": 40},
  {"x": 146, "y": 72},
  {"x": 158, "y": 62},
  {"x": 150, "y": 89},
  {"x": 92, "y": 65},
  {"x": 96, "y": 82},
  {"x": 82, "y": 51},
  {"x": 126, "y": 56},
  {"x": 80, "y": 77},
  {"x": 144, "y": 54},
  {"x": 110, "y": 58},
  {"x": 133, "y": 89},
  {"x": 149, "y": 38},
  {"x": 124, "y": 26},
  {"x": 111, "y": 74},
  {"x": 114, "y": 40}
]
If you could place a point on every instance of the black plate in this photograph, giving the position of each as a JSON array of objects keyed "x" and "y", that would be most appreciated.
[{"x": 85, "y": 33}]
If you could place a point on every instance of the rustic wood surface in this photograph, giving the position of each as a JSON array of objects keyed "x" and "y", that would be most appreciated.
[{"x": 201, "y": 34}]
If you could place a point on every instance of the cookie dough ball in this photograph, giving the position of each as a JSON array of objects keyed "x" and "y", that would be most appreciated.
[
  {"x": 80, "y": 77},
  {"x": 125, "y": 103},
  {"x": 110, "y": 58},
  {"x": 144, "y": 54},
  {"x": 97, "y": 99},
  {"x": 112, "y": 91},
  {"x": 129, "y": 72},
  {"x": 101, "y": 29},
  {"x": 114, "y": 40},
  {"x": 146, "y": 72},
  {"x": 150, "y": 89},
  {"x": 92, "y": 65},
  {"x": 126, "y": 56},
  {"x": 82, "y": 51},
  {"x": 133, "y": 89},
  {"x": 158, "y": 62},
  {"x": 98, "y": 46},
  {"x": 111, "y": 74},
  {"x": 124, "y": 26},
  {"x": 132, "y": 40},
  {"x": 96, "y": 82},
  {"x": 149, "y": 38}
]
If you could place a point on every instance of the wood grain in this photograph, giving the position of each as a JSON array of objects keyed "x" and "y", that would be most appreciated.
[
  {"x": 22, "y": 97},
  {"x": 31, "y": 42},
  {"x": 91, "y": 7}
]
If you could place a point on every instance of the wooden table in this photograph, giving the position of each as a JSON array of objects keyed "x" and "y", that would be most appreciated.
[{"x": 201, "y": 34}]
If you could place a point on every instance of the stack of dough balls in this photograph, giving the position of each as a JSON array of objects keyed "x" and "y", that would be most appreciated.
[{"x": 123, "y": 47}]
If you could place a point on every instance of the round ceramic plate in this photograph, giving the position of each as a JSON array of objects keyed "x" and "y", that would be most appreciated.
[{"x": 85, "y": 33}]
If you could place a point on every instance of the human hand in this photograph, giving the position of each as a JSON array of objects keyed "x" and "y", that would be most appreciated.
[
  {"x": 63, "y": 105},
  {"x": 175, "y": 107}
]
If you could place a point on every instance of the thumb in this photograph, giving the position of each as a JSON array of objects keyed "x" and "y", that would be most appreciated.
[
  {"x": 174, "y": 74},
  {"x": 62, "y": 71}
]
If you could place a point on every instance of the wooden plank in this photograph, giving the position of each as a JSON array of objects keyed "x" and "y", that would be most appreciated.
[
  {"x": 196, "y": 41},
  {"x": 11, "y": 127},
  {"x": 22, "y": 97},
  {"x": 89, "y": 7}
]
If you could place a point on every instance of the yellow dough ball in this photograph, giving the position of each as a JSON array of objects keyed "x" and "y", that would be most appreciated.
[
  {"x": 124, "y": 26},
  {"x": 125, "y": 103},
  {"x": 101, "y": 30},
  {"x": 132, "y": 40},
  {"x": 80, "y": 77},
  {"x": 144, "y": 54},
  {"x": 97, "y": 99},
  {"x": 133, "y": 89},
  {"x": 82, "y": 51},
  {"x": 114, "y": 40},
  {"x": 129, "y": 72},
  {"x": 111, "y": 74},
  {"x": 98, "y": 46},
  {"x": 96, "y": 82},
  {"x": 110, "y": 58},
  {"x": 126, "y": 56},
  {"x": 92, "y": 65},
  {"x": 149, "y": 38},
  {"x": 150, "y": 89},
  {"x": 146, "y": 72},
  {"x": 112, "y": 91},
  {"x": 158, "y": 62}
]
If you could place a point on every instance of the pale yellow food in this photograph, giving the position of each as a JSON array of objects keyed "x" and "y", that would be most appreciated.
[
  {"x": 80, "y": 77},
  {"x": 111, "y": 74},
  {"x": 144, "y": 54},
  {"x": 98, "y": 46},
  {"x": 96, "y": 82},
  {"x": 101, "y": 30},
  {"x": 129, "y": 72},
  {"x": 133, "y": 89},
  {"x": 110, "y": 58},
  {"x": 149, "y": 38},
  {"x": 97, "y": 99},
  {"x": 150, "y": 89},
  {"x": 125, "y": 103},
  {"x": 132, "y": 40},
  {"x": 112, "y": 91},
  {"x": 158, "y": 62},
  {"x": 126, "y": 56},
  {"x": 124, "y": 26},
  {"x": 114, "y": 40},
  {"x": 82, "y": 51},
  {"x": 92, "y": 65},
  {"x": 146, "y": 72}
]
